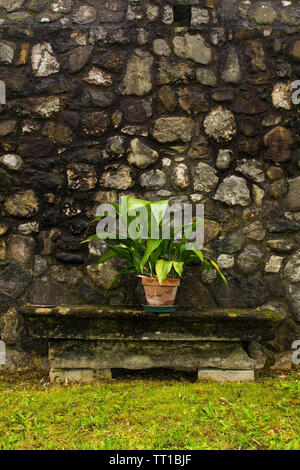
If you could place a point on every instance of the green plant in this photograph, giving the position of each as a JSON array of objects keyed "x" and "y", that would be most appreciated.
[{"x": 164, "y": 255}]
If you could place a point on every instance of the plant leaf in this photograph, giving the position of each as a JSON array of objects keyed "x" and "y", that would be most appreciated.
[
  {"x": 162, "y": 269},
  {"x": 150, "y": 247},
  {"x": 178, "y": 266},
  {"x": 106, "y": 256}
]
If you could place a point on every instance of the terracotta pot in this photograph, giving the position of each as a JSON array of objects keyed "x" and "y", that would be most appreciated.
[{"x": 160, "y": 294}]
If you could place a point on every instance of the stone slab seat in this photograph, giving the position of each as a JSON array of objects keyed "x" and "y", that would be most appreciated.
[{"x": 85, "y": 342}]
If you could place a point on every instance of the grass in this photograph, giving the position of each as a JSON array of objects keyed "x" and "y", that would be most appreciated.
[{"x": 149, "y": 413}]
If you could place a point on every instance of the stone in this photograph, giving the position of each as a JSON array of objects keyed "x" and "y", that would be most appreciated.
[
  {"x": 281, "y": 246},
  {"x": 249, "y": 103},
  {"x": 167, "y": 97},
  {"x": 206, "y": 77},
  {"x": 23, "y": 204},
  {"x": 283, "y": 361},
  {"x": 14, "y": 279},
  {"x": 153, "y": 180},
  {"x": 74, "y": 258},
  {"x": 233, "y": 191},
  {"x": 192, "y": 100},
  {"x": 275, "y": 173},
  {"x": 75, "y": 59},
  {"x": 220, "y": 124},
  {"x": 254, "y": 50},
  {"x": 81, "y": 376},
  {"x": 283, "y": 226},
  {"x": 230, "y": 244},
  {"x": 274, "y": 264},
  {"x": 205, "y": 179},
  {"x": 28, "y": 227},
  {"x": 112, "y": 60},
  {"x": 241, "y": 293},
  {"x": 137, "y": 79},
  {"x": 232, "y": 71},
  {"x": 98, "y": 97},
  {"x": 136, "y": 110},
  {"x": 200, "y": 16},
  {"x": 174, "y": 71},
  {"x": 161, "y": 47},
  {"x": 2, "y": 250},
  {"x": 57, "y": 133},
  {"x": 255, "y": 231},
  {"x": 96, "y": 76},
  {"x": 180, "y": 176},
  {"x": 81, "y": 176},
  {"x": 12, "y": 161},
  {"x": 265, "y": 13},
  {"x": 250, "y": 259},
  {"x": 116, "y": 177},
  {"x": 50, "y": 293},
  {"x": 294, "y": 50},
  {"x": 252, "y": 169},
  {"x": 7, "y": 52},
  {"x": 11, "y": 5},
  {"x": 292, "y": 268},
  {"x": 7, "y": 127},
  {"x": 102, "y": 275},
  {"x": 223, "y": 376},
  {"x": 43, "y": 61},
  {"x": 11, "y": 327},
  {"x": 116, "y": 145},
  {"x": 278, "y": 142},
  {"x": 40, "y": 265},
  {"x": 224, "y": 159},
  {"x": 192, "y": 47},
  {"x": 171, "y": 129},
  {"x": 211, "y": 230},
  {"x": 21, "y": 249},
  {"x": 200, "y": 149},
  {"x": 141, "y": 155},
  {"x": 293, "y": 195},
  {"x": 95, "y": 123},
  {"x": 85, "y": 15},
  {"x": 294, "y": 300},
  {"x": 62, "y": 6},
  {"x": 225, "y": 261},
  {"x": 282, "y": 95},
  {"x": 271, "y": 120}
]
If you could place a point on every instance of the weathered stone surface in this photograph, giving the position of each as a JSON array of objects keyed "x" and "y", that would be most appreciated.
[
  {"x": 81, "y": 176},
  {"x": 14, "y": 278},
  {"x": 206, "y": 77},
  {"x": 200, "y": 149},
  {"x": 220, "y": 124},
  {"x": 136, "y": 110},
  {"x": 12, "y": 161},
  {"x": 98, "y": 77},
  {"x": 278, "y": 143},
  {"x": 294, "y": 300},
  {"x": 21, "y": 249},
  {"x": 95, "y": 123},
  {"x": 294, "y": 50},
  {"x": 168, "y": 98},
  {"x": 50, "y": 293},
  {"x": 232, "y": 71},
  {"x": 81, "y": 376},
  {"x": 255, "y": 231},
  {"x": 254, "y": 50},
  {"x": 292, "y": 268},
  {"x": 116, "y": 145},
  {"x": 230, "y": 244},
  {"x": 11, "y": 327},
  {"x": 211, "y": 230},
  {"x": 283, "y": 226},
  {"x": 274, "y": 264},
  {"x": 282, "y": 95},
  {"x": 7, "y": 127},
  {"x": 137, "y": 79},
  {"x": 192, "y": 100},
  {"x": 281, "y": 246},
  {"x": 252, "y": 169},
  {"x": 141, "y": 155},
  {"x": 223, "y": 95},
  {"x": 161, "y": 47},
  {"x": 62, "y": 6},
  {"x": 171, "y": 129},
  {"x": 11, "y": 5},
  {"x": 116, "y": 177},
  {"x": 233, "y": 191},
  {"x": 265, "y": 13},
  {"x": 250, "y": 259},
  {"x": 224, "y": 159},
  {"x": 249, "y": 103},
  {"x": 225, "y": 261},
  {"x": 180, "y": 176},
  {"x": 43, "y": 61},
  {"x": 293, "y": 196},
  {"x": 85, "y": 14},
  {"x": 153, "y": 179},
  {"x": 241, "y": 293},
  {"x": 192, "y": 47},
  {"x": 7, "y": 52},
  {"x": 75, "y": 59},
  {"x": 205, "y": 179},
  {"x": 102, "y": 274},
  {"x": 223, "y": 376},
  {"x": 24, "y": 204},
  {"x": 173, "y": 71},
  {"x": 57, "y": 133}
]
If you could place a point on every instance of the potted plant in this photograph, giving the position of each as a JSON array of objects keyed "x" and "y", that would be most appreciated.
[{"x": 152, "y": 245}]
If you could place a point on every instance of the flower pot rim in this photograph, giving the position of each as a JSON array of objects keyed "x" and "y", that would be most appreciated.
[{"x": 153, "y": 281}]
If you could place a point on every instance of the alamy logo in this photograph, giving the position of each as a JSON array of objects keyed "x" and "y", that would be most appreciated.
[
  {"x": 2, "y": 353},
  {"x": 2, "y": 92},
  {"x": 296, "y": 93},
  {"x": 296, "y": 354}
]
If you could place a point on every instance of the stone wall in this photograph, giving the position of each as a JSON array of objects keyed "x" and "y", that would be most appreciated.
[{"x": 187, "y": 99}]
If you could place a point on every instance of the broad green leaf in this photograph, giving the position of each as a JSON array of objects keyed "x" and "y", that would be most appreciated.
[
  {"x": 162, "y": 269},
  {"x": 108, "y": 255},
  {"x": 199, "y": 254},
  {"x": 150, "y": 247},
  {"x": 178, "y": 266}
]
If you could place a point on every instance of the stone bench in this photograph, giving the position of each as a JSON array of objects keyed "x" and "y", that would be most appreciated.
[{"x": 86, "y": 342}]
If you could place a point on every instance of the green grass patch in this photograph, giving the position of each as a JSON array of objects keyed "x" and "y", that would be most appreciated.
[{"x": 149, "y": 413}]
